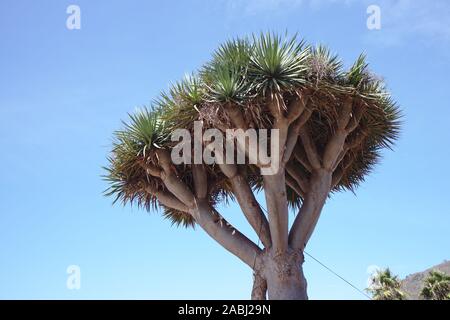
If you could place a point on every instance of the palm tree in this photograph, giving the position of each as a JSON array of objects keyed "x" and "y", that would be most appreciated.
[
  {"x": 385, "y": 286},
  {"x": 330, "y": 124},
  {"x": 436, "y": 286}
]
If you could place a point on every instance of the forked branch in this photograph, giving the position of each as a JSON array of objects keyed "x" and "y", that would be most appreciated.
[
  {"x": 183, "y": 199},
  {"x": 324, "y": 172}
]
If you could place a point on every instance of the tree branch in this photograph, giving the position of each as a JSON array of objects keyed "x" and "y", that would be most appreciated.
[
  {"x": 174, "y": 184},
  {"x": 309, "y": 213},
  {"x": 322, "y": 179},
  {"x": 274, "y": 102},
  {"x": 227, "y": 236},
  {"x": 167, "y": 199},
  {"x": 220, "y": 230},
  {"x": 200, "y": 180},
  {"x": 333, "y": 148},
  {"x": 294, "y": 173},
  {"x": 236, "y": 116},
  {"x": 291, "y": 182},
  {"x": 150, "y": 169},
  {"x": 348, "y": 146},
  {"x": 300, "y": 156},
  {"x": 296, "y": 108},
  {"x": 310, "y": 148},
  {"x": 276, "y": 200},
  {"x": 355, "y": 119},
  {"x": 246, "y": 200},
  {"x": 335, "y": 145},
  {"x": 338, "y": 174},
  {"x": 251, "y": 209},
  {"x": 294, "y": 131}
]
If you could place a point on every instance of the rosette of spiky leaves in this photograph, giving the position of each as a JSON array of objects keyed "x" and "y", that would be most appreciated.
[
  {"x": 358, "y": 75},
  {"x": 179, "y": 106},
  {"x": 133, "y": 150},
  {"x": 225, "y": 75},
  {"x": 132, "y": 146},
  {"x": 277, "y": 64},
  {"x": 146, "y": 130}
]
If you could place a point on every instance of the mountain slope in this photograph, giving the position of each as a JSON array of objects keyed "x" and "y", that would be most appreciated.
[{"x": 412, "y": 284}]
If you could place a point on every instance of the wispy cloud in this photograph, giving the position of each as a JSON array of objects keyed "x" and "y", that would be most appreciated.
[
  {"x": 402, "y": 20},
  {"x": 406, "y": 20}
]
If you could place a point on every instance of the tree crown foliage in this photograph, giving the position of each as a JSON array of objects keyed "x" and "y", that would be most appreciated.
[
  {"x": 386, "y": 286},
  {"x": 245, "y": 73},
  {"x": 436, "y": 286}
]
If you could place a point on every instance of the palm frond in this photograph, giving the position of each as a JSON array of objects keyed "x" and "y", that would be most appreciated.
[
  {"x": 436, "y": 286},
  {"x": 386, "y": 286}
]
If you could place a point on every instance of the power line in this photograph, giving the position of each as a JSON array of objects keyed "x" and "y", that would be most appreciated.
[
  {"x": 337, "y": 275},
  {"x": 323, "y": 265}
]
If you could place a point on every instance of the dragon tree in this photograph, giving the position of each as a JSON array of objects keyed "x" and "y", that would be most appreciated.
[{"x": 332, "y": 123}]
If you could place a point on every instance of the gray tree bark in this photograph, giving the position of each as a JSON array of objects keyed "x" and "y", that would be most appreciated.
[{"x": 281, "y": 274}]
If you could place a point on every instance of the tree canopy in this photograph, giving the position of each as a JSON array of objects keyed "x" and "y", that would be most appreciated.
[{"x": 244, "y": 74}]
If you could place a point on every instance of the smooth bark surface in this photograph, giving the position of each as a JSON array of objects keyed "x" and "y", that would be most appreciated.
[
  {"x": 275, "y": 191},
  {"x": 309, "y": 213}
]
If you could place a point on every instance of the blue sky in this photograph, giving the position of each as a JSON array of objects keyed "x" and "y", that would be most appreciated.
[{"x": 63, "y": 92}]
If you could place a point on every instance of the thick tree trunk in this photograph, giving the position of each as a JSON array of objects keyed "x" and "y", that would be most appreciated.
[
  {"x": 282, "y": 274},
  {"x": 293, "y": 288},
  {"x": 259, "y": 291}
]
